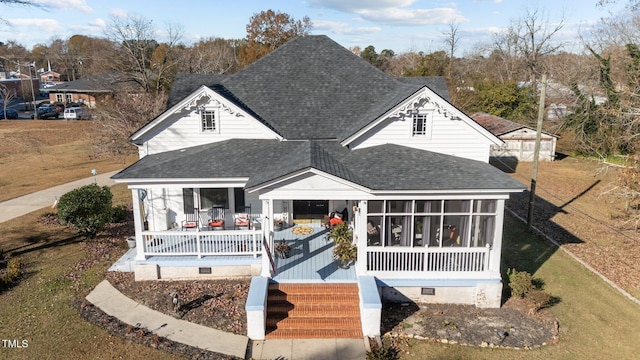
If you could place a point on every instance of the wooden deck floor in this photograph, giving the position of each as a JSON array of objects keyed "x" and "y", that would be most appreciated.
[{"x": 311, "y": 258}]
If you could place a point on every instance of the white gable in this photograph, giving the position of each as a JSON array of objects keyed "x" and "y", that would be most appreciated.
[
  {"x": 182, "y": 125},
  {"x": 447, "y": 130},
  {"x": 311, "y": 185}
]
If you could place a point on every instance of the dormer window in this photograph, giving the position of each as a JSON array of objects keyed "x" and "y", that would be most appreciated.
[
  {"x": 209, "y": 120},
  {"x": 421, "y": 124}
]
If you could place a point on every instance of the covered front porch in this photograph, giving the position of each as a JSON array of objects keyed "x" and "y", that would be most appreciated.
[{"x": 311, "y": 257}]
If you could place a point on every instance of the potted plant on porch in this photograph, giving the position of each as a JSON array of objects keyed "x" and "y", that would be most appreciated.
[
  {"x": 344, "y": 251},
  {"x": 282, "y": 249},
  {"x": 278, "y": 224}
]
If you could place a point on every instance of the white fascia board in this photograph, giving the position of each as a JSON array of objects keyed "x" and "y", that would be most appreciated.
[
  {"x": 190, "y": 101},
  {"x": 422, "y": 94},
  {"x": 292, "y": 176},
  {"x": 441, "y": 194},
  {"x": 164, "y": 183}
]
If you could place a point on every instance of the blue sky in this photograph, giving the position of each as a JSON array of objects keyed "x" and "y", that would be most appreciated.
[{"x": 400, "y": 25}]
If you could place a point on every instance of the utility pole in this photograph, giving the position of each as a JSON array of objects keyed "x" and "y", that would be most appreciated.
[
  {"x": 33, "y": 95},
  {"x": 536, "y": 153}
]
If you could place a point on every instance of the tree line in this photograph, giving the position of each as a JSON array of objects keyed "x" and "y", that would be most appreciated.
[{"x": 599, "y": 86}]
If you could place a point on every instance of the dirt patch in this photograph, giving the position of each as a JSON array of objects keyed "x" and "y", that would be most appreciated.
[{"x": 514, "y": 325}]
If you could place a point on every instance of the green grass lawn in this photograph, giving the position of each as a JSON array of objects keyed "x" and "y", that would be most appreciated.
[
  {"x": 40, "y": 309},
  {"x": 596, "y": 321}
]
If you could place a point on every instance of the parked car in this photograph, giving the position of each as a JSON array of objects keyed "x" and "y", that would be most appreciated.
[
  {"x": 47, "y": 112},
  {"x": 76, "y": 113},
  {"x": 8, "y": 114}
]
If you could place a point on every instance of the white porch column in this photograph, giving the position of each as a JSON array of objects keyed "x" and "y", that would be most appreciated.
[
  {"x": 496, "y": 249},
  {"x": 138, "y": 222},
  {"x": 267, "y": 225},
  {"x": 361, "y": 226}
]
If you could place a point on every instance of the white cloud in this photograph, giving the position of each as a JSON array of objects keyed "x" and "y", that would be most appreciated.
[
  {"x": 98, "y": 23},
  {"x": 396, "y": 16},
  {"x": 342, "y": 28},
  {"x": 120, "y": 13},
  {"x": 94, "y": 28},
  {"x": 33, "y": 25},
  {"x": 66, "y": 5},
  {"x": 358, "y": 5},
  {"x": 394, "y": 12}
]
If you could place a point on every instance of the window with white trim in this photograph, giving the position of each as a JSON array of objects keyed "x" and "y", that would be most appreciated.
[
  {"x": 421, "y": 123},
  {"x": 209, "y": 120},
  {"x": 69, "y": 98},
  {"x": 59, "y": 98}
]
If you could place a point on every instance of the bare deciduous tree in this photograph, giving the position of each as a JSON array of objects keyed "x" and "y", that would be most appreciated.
[
  {"x": 120, "y": 117},
  {"x": 451, "y": 40},
  {"x": 17, "y": 3},
  {"x": 533, "y": 39},
  {"x": 134, "y": 37},
  {"x": 6, "y": 95},
  {"x": 211, "y": 56}
]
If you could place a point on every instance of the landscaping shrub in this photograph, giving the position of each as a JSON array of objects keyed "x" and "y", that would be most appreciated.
[
  {"x": 119, "y": 213},
  {"x": 520, "y": 282},
  {"x": 11, "y": 274},
  {"x": 87, "y": 208}
]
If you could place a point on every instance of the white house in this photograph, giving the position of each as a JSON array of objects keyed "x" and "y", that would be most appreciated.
[
  {"x": 308, "y": 129},
  {"x": 519, "y": 140}
]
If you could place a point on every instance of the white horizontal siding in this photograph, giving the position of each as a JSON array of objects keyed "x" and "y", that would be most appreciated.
[
  {"x": 184, "y": 130},
  {"x": 311, "y": 187},
  {"x": 451, "y": 137}
]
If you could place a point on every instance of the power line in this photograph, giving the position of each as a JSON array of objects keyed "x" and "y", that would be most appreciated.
[{"x": 553, "y": 196}]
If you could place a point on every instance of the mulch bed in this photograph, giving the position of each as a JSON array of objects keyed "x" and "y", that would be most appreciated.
[{"x": 217, "y": 304}]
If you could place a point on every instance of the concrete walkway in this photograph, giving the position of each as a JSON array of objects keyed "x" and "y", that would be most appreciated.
[
  {"x": 114, "y": 303},
  {"x": 45, "y": 198}
]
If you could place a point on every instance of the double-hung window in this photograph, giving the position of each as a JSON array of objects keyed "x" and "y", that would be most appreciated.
[
  {"x": 421, "y": 123},
  {"x": 209, "y": 120}
]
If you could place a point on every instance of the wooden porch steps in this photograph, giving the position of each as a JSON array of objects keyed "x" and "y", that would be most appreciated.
[{"x": 298, "y": 311}]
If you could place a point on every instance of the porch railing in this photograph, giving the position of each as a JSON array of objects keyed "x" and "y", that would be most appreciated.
[
  {"x": 202, "y": 243},
  {"x": 427, "y": 260}
]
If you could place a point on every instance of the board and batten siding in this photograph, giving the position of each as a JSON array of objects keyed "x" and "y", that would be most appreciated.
[
  {"x": 184, "y": 130},
  {"x": 446, "y": 136}
]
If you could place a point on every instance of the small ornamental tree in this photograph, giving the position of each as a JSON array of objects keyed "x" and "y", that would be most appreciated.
[{"x": 87, "y": 208}]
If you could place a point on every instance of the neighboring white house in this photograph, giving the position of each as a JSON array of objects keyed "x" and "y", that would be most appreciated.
[
  {"x": 307, "y": 129},
  {"x": 519, "y": 140}
]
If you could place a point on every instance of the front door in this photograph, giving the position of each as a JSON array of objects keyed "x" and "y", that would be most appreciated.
[{"x": 310, "y": 209}]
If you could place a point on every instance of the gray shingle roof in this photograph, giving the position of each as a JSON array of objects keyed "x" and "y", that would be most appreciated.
[
  {"x": 384, "y": 167},
  {"x": 186, "y": 83},
  {"x": 314, "y": 93},
  {"x": 100, "y": 83},
  {"x": 312, "y": 88},
  {"x": 498, "y": 125}
]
